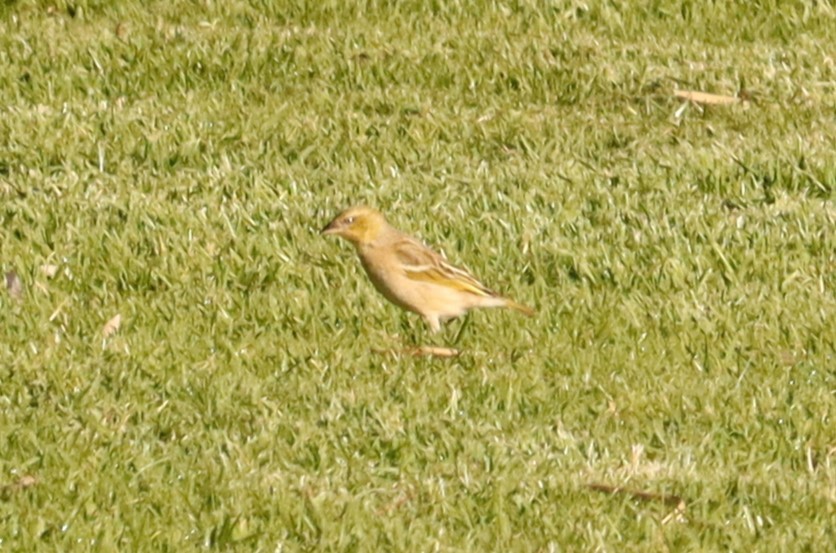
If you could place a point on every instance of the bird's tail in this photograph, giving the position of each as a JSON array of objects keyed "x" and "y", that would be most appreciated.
[{"x": 524, "y": 309}]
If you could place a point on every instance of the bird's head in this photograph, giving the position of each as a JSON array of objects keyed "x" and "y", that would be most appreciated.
[{"x": 359, "y": 225}]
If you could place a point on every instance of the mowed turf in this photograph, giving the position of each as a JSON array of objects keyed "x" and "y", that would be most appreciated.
[{"x": 172, "y": 163}]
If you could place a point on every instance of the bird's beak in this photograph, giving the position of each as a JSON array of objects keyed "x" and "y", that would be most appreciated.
[{"x": 330, "y": 228}]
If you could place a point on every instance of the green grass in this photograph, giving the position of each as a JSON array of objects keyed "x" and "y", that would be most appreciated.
[{"x": 173, "y": 162}]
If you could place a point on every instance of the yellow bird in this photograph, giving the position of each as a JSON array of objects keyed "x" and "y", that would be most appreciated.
[{"x": 411, "y": 275}]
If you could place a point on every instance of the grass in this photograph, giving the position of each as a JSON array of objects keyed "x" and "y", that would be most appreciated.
[{"x": 172, "y": 162}]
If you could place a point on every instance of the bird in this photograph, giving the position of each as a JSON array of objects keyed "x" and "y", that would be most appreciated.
[{"x": 410, "y": 274}]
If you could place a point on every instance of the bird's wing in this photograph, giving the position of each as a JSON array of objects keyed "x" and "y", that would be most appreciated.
[{"x": 421, "y": 263}]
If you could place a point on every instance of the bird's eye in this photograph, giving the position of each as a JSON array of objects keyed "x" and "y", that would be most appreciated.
[{"x": 349, "y": 220}]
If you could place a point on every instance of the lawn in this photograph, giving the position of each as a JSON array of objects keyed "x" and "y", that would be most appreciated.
[{"x": 185, "y": 363}]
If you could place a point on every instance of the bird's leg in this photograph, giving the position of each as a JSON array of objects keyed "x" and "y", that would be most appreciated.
[
  {"x": 428, "y": 351},
  {"x": 460, "y": 332},
  {"x": 408, "y": 333}
]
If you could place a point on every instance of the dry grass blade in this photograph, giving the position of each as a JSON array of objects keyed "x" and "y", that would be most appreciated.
[
  {"x": 422, "y": 351},
  {"x": 667, "y": 499},
  {"x": 25, "y": 481},
  {"x": 678, "y": 514},
  {"x": 49, "y": 271},
  {"x": 670, "y": 500},
  {"x": 706, "y": 97},
  {"x": 14, "y": 286},
  {"x": 433, "y": 351},
  {"x": 55, "y": 314},
  {"x": 112, "y": 326}
]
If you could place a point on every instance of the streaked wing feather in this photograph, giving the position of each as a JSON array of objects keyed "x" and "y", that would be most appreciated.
[
  {"x": 413, "y": 254},
  {"x": 421, "y": 263}
]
